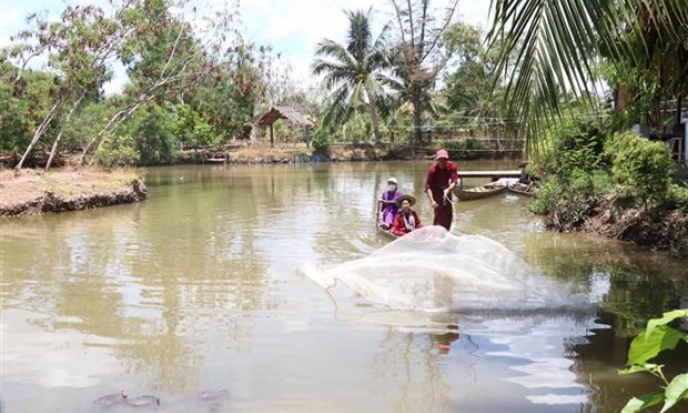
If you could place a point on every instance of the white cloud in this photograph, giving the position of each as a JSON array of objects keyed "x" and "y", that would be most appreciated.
[
  {"x": 294, "y": 27},
  {"x": 291, "y": 27},
  {"x": 7, "y": 20}
]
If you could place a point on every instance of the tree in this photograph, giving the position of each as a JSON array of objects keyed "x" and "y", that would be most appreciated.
[
  {"x": 24, "y": 102},
  {"x": 207, "y": 69},
  {"x": 354, "y": 72},
  {"x": 172, "y": 54},
  {"x": 472, "y": 84},
  {"x": 419, "y": 59},
  {"x": 234, "y": 88},
  {"x": 473, "y": 88},
  {"x": 406, "y": 97},
  {"x": 161, "y": 52},
  {"x": 283, "y": 89},
  {"x": 78, "y": 48},
  {"x": 562, "y": 42}
]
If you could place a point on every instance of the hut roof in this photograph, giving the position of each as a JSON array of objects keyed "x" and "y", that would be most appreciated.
[{"x": 284, "y": 112}]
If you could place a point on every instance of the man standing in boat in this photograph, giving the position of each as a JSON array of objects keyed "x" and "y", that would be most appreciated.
[{"x": 441, "y": 179}]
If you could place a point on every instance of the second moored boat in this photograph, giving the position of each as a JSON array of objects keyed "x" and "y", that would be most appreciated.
[{"x": 481, "y": 191}]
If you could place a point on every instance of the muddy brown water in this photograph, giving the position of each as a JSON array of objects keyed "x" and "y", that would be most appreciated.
[{"x": 196, "y": 288}]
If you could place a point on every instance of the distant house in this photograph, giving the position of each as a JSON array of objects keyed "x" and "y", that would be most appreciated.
[{"x": 291, "y": 115}]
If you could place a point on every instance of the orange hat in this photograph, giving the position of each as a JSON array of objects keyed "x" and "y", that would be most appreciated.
[{"x": 442, "y": 154}]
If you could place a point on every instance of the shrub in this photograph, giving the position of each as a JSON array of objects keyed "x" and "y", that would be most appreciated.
[
  {"x": 153, "y": 130},
  {"x": 642, "y": 167},
  {"x": 571, "y": 197},
  {"x": 548, "y": 196},
  {"x": 191, "y": 128},
  {"x": 677, "y": 195},
  {"x": 321, "y": 140},
  {"x": 119, "y": 150},
  {"x": 575, "y": 144}
]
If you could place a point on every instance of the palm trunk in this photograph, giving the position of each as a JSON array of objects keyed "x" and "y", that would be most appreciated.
[
  {"x": 376, "y": 122},
  {"x": 417, "y": 135},
  {"x": 373, "y": 116}
]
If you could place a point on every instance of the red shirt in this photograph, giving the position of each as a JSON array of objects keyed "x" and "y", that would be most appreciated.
[
  {"x": 438, "y": 179},
  {"x": 399, "y": 228}
]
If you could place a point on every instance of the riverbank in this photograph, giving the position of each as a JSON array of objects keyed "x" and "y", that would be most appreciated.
[
  {"x": 244, "y": 152},
  {"x": 657, "y": 228},
  {"x": 260, "y": 153},
  {"x": 659, "y": 224},
  {"x": 37, "y": 192}
]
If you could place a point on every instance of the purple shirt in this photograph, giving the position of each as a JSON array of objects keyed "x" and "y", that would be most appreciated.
[{"x": 390, "y": 204}]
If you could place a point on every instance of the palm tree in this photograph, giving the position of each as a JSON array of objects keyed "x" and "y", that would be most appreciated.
[
  {"x": 353, "y": 72},
  {"x": 561, "y": 43}
]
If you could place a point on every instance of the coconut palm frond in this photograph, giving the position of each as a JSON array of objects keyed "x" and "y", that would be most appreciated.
[
  {"x": 559, "y": 42},
  {"x": 323, "y": 66},
  {"x": 359, "y": 37},
  {"x": 335, "y": 51},
  {"x": 380, "y": 43},
  {"x": 385, "y": 105},
  {"x": 338, "y": 111},
  {"x": 335, "y": 77}
]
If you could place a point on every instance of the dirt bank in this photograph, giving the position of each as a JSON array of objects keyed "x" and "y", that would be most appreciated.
[
  {"x": 654, "y": 227},
  {"x": 35, "y": 192}
]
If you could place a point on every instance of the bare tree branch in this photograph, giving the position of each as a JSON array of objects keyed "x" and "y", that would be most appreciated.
[
  {"x": 65, "y": 122},
  {"x": 40, "y": 130},
  {"x": 397, "y": 12},
  {"x": 448, "y": 20}
]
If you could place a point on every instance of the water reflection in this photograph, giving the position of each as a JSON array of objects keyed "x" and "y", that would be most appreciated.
[{"x": 196, "y": 288}]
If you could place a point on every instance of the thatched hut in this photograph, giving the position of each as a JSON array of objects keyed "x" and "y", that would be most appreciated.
[{"x": 284, "y": 112}]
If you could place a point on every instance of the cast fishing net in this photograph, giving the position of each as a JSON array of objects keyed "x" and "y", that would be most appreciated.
[{"x": 433, "y": 270}]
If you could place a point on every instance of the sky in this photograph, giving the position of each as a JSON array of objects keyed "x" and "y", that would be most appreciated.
[{"x": 291, "y": 27}]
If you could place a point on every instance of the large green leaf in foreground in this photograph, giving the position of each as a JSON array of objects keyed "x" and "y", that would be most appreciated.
[
  {"x": 638, "y": 404},
  {"x": 676, "y": 391},
  {"x": 648, "y": 344}
]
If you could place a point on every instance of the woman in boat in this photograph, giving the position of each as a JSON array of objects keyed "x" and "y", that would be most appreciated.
[
  {"x": 388, "y": 203},
  {"x": 406, "y": 220}
]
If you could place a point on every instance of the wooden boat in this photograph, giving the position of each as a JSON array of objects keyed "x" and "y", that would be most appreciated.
[
  {"x": 385, "y": 232},
  {"x": 481, "y": 191},
  {"x": 522, "y": 189}
]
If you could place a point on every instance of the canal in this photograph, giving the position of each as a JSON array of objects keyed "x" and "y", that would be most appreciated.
[{"x": 201, "y": 287}]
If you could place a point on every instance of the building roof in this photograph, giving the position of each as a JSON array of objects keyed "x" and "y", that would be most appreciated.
[{"x": 284, "y": 112}]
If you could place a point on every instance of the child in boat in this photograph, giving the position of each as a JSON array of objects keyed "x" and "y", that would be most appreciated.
[
  {"x": 406, "y": 219},
  {"x": 388, "y": 203}
]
